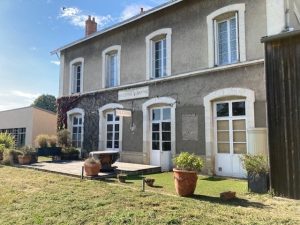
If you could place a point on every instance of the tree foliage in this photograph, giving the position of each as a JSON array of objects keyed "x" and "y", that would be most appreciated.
[{"x": 47, "y": 102}]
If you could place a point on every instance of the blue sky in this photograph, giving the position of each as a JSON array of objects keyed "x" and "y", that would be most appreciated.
[{"x": 30, "y": 29}]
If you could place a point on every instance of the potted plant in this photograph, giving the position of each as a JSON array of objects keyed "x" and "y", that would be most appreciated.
[
  {"x": 25, "y": 155},
  {"x": 91, "y": 167},
  {"x": 258, "y": 172},
  {"x": 185, "y": 173},
  {"x": 47, "y": 145}
]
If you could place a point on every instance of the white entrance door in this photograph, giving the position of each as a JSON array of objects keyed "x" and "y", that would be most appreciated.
[
  {"x": 161, "y": 138},
  {"x": 230, "y": 137}
]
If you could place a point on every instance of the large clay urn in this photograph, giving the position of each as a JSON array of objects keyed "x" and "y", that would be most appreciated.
[
  {"x": 185, "y": 182},
  {"x": 91, "y": 169}
]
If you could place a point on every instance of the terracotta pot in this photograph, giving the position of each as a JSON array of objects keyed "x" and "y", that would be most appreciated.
[
  {"x": 185, "y": 182},
  {"x": 91, "y": 169},
  {"x": 24, "y": 160}
]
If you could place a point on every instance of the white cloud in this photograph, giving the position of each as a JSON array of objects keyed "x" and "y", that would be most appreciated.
[
  {"x": 55, "y": 62},
  {"x": 76, "y": 17},
  {"x": 133, "y": 10},
  {"x": 16, "y": 99},
  {"x": 33, "y": 48}
]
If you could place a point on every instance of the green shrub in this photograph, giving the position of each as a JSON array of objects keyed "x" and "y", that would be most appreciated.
[
  {"x": 64, "y": 138},
  {"x": 70, "y": 150},
  {"x": 52, "y": 141},
  {"x": 187, "y": 161},
  {"x": 2, "y": 148},
  {"x": 10, "y": 156},
  {"x": 42, "y": 140},
  {"x": 255, "y": 164},
  {"x": 7, "y": 140}
]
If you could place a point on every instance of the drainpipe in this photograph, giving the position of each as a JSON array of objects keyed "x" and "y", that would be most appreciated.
[{"x": 287, "y": 16}]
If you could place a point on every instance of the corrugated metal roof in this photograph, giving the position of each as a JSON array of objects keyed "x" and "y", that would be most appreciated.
[{"x": 130, "y": 20}]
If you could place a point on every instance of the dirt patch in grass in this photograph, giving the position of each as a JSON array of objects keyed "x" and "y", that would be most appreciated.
[{"x": 33, "y": 197}]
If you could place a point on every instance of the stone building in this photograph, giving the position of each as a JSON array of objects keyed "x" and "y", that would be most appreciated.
[{"x": 190, "y": 73}]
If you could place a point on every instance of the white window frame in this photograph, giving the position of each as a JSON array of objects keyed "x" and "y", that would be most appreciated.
[
  {"x": 71, "y": 74},
  {"x": 147, "y": 106},
  {"x": 211, "y": 24},
  {"x": 217, "y": 53},
  {"x": 102, "y": 125},
  {"x": 230, "y": 118},
  {"x": 70, "y": 114},
  {"x": 105, "y": 54},
  {"x": 114, "y": 122},
  {"x": 160, "y": 121},
  {"x": 150, "y": 40}
]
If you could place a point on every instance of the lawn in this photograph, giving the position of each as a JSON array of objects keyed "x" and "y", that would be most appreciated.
[
  {"x": 33, "y": 197},
  {"x": 207, "y": 186}
]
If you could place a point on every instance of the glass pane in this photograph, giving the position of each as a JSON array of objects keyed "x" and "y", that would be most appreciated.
[
  {"x": 80, "y": 121},
  {"x": 233, "y": 40},
  {"x": 117, "y": 126},
  {"x": 156, "y": 114},
  {"x": 166, "y": 136},
  {"x": 110, "y": 117},
  {"x": 166, "y": 126},
  {"x": 155, "y": 145},
  {"x": 238, "y": 109},
  {"x": 167, "y": 114},
  {"x": 223, "y": 148},
  {"x": 223, "y": 136},
  {"x": 75, "y": 120},
  {"x": 116, "y": 136},
  {"x": 117, "y": 118},
  {"x": 74, "y": 130},
  {"x": 109, "y": 136},
  {"x": 116, "y": 144},
  {"x": 109, "y": 127},
  {"x": 222, "y": 110},
  {"x": 239, "y": 125},
  {"x": 223, "y": 42},
  {"x": 166, "y": 146},
  {"x": 239, "y": 136},
  {"x": 155, "y": 136},
  {"x": 79, "y": 130},
  {"x": 74, "y": 137},
  {"x": 240, "y": 148},
  {"x": 223, "y": 125},
  {"x": 155, "y": 127},
  {"x": 109, "y": 144}
]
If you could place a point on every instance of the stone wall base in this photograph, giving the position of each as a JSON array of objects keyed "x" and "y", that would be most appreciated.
[{"x": 132, "y": 157}]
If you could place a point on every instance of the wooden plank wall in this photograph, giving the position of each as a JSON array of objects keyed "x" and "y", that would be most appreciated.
[{"x": 283, "y": 97}]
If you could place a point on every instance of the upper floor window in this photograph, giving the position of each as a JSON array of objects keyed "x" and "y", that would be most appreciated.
[
  {"x": 158, "y": 50},
  {"x": 111, "y": 66},
  {"x": 226, "y": 43},
  {"x": 226, "y": 35},
  {"x": 76, "y": 76}
]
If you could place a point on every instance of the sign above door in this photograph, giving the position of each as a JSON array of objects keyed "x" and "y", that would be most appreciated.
[{"x": 133, "y": 93}]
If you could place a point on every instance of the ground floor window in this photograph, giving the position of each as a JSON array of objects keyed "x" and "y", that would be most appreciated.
[
  {"x": 19, "y": 135},
  {"x": 112, "y": 131},
  {"x": 77, "y": 127},
  {"x": 231, "y": 132},
  {"x": 161, "y": 129}
]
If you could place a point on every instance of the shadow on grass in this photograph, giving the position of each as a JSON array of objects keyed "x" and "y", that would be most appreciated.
[
  {"x": 213, "y": 179},
  {"x": 234, "y": 202}
]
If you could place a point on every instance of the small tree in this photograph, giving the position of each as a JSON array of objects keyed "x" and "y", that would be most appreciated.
[{"x": 47, "y": 102}]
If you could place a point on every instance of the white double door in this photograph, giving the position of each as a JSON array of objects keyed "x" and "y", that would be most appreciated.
[
  {"x": 160, "y": 151},
  {"x": 230, "y": 137}
]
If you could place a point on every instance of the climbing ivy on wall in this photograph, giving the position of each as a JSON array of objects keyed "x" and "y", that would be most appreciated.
[{"x": 64, "y": 104}]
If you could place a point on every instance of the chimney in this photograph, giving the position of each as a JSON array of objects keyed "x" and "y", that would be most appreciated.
[{"x": 90, "y": 26}]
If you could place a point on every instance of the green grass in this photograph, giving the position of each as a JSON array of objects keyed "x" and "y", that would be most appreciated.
[
  {"x": 208, "y": 186},
  {"x": 33, "y": 197}
]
